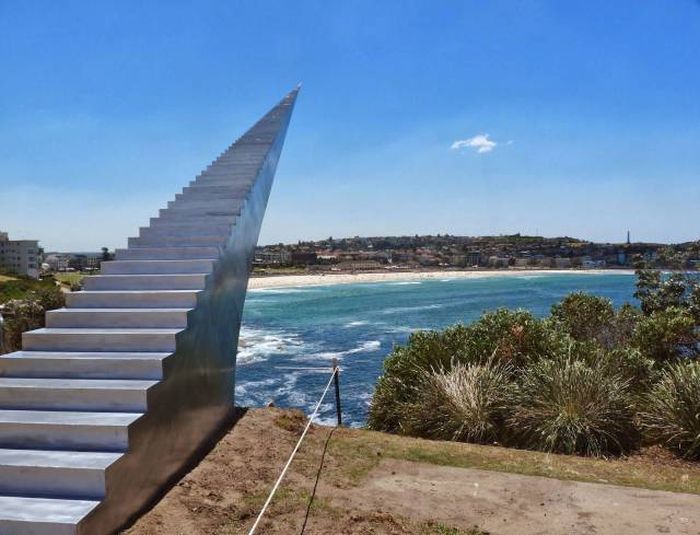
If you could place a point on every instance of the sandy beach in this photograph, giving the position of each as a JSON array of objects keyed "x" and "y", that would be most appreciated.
[{"x": 282, "y": 281}]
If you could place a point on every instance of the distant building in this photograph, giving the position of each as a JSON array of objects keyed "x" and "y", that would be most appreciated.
[
  {"x": 303, "y": 258},
  {"x": 281, "y": 258},
  {"x": 22, "y": 257},
  {"x": 562, "y": 263}
]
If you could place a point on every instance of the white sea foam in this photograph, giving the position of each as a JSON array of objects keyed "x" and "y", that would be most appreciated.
[
  {"x": 355, "y": 324},
  {"x": 398, "y": 310},
  {"x": 403, "y": 283},
  {"x": 402, "y": 330},
  {"x": 255, "y": 345},
  {"x": 369, "y": 346},
  {"x": 285, "y": 290}
]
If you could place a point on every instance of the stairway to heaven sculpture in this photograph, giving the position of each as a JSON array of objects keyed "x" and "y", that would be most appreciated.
[{"x": 108, "y": 403}]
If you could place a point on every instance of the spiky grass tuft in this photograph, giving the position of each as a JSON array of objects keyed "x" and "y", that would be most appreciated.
[
  {"x": 467, "y": 403},
  {"x": 566, "y": 405},
  {"x": 672, "y": 410}
]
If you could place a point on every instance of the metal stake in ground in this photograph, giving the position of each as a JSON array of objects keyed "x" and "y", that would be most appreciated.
[{"x": 336, "y": 380}]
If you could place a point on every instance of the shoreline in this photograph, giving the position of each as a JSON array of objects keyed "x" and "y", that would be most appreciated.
[{"x": 313, "y": 279}]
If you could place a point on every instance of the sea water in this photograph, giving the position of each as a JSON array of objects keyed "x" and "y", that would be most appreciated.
[{"x": 289, "y": 336}]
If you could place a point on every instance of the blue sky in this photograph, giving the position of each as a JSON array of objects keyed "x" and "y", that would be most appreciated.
[{"x": 108, "y": 108}]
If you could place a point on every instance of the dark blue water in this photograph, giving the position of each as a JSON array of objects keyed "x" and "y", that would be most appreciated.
[{"x": 305, "y": 327}]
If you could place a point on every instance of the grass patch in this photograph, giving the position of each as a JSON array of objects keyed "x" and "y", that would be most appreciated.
[
  {"x": 69, "y": 278},
  {"x": 22, "y": 287},
  {"x": 359, "y": 451},
  {"x": 441, "y": 529}
]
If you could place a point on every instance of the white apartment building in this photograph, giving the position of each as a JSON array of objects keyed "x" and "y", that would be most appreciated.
[{"x": 19, "y": 256}]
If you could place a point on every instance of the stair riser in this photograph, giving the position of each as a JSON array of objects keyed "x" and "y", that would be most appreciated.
[
  {"x": 82, "y": 368},
  {"x": 34, "y": 528},
  {"x": 145, "y": 282},
  {"x": 163, "y": 231},
  {"x": 168, "y": 253},
  {"x": 203, "y": 228},
  {"x": 155, "y": 267},
  {"x": 131, "y": 300},
  {"x": 93, "y": 399},
  {"x": 68, "y": 437},
  {"x": 52, "y": 482},
  {"x": 32, "y": 341},
  {"x": 229, "y": 167},
  {"x": 146, "y": 319},
  {"x": 185, "y": 213},
  {"x": 195, "y": 220},
  {"x": 201, "y": 188},
  {"x": 225, "y": 205},
  {"x": 214, "y": 241},
  {"x": 213, "y": 194}
]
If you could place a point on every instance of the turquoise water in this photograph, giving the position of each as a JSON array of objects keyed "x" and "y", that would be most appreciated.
[{"x": 287, "y": 329}]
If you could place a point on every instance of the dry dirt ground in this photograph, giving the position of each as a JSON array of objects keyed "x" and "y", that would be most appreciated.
[{"x": 380, "y": 484}]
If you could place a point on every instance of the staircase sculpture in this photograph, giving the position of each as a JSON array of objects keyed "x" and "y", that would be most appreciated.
[{"x": 124, "y": 386}]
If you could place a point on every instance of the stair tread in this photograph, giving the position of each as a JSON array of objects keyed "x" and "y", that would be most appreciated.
[
  {"x": 105, "y": 330},
  {"x": 97, "y": 419},
  {"x": 121, "y": 275},
  {"x": 163, "y": 261},
  {"x": 58, "y": 458},
  {"x": 119, "y": 310},
  {"x": 148, "y": 292},
  {"x": 54, "y": 383},
  {"x": 44, "y": 510},
  {"x": 106, "y": 355}
]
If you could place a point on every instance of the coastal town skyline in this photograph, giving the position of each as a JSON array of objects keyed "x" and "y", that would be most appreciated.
[{"x": 538, "y": 117}]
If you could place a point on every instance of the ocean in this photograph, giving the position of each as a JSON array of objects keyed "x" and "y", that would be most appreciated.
[{"x": 289, "y": 336}]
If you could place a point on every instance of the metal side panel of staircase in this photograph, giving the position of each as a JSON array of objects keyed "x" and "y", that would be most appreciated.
[{"x": 105, "y": 406}]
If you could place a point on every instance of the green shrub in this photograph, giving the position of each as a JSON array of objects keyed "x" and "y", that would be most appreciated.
[
  {"x": 586, "y": 317},
  {"x": 510, "y": 338},
  {"x": 672, "y": 410},
  {"x": 569, "y": 406},
  {"x": 20, "y": 316},
  {"x": 23, "y": 315},
  {"x": 468, "y": 403},
  {"x": 665, "y": 335}
]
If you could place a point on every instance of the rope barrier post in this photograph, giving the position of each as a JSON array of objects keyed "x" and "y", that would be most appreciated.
[
  {"x": 336, "y": 380},
  {"x": 294, "y": 452}
]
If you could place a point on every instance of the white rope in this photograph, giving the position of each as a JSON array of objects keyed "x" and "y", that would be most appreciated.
[{"x": 291, "y": 457}]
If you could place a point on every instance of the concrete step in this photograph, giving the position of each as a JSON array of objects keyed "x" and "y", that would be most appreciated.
[
  {"x": 118, "y": 317},
  {"x": 229, "y": 178},
  {"x": 194, "y": 228},
  {"x": 212, "y": 194},
  {"x": 171, "y": 219},
  {"x": 120, "y": 395},
  {"x": 133, "y": 299},
  {"x": 183, "y": 213},
  {"x": 178, "y": 241},
  {"x": 59, "y": 474},
  {"x": 131, "y": 340},
  {"x": 161, "y": 281},
  {"x": 198, "y": 188},
  {"x": 72, "y": 430},
  {"x": 151, "y": 267},
  {"x": 83, "y": 365},
  {"x": 42, "y": 516},
  {"x": 205, "y": 204},
  {"x": 169, "y": 253},
  {"x": 101, "y": 339},
  {"x": 165, "y": 231}
]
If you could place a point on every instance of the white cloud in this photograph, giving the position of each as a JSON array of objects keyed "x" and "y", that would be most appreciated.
[{"x": 481, "y": 143}]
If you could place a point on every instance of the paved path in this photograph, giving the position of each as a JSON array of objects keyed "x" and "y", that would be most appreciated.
[{"x": 503, "y": 503}]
